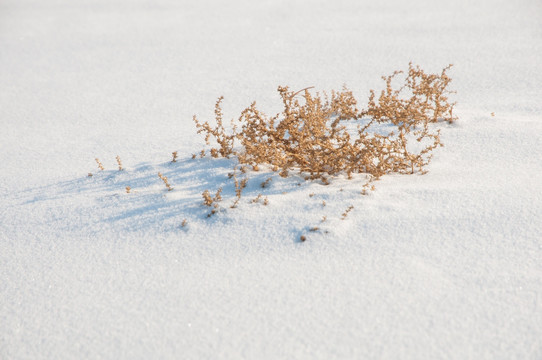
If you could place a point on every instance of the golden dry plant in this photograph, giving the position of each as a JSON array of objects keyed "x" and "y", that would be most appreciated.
[
  {"x": 239, "y": 187},
  {"x": 165, "y": 180},
  {"x": 256, "y": 199},
  {"x": 266, "y": 182},
  {"x": 100, "y": 166},
  {"x": 346, "y": 212},
  {"x": 322, "y": 136},
  {"x": 212, "y": 201},
  {"x": 174, "y": 154},
  {"x": 119, "y": 163}
]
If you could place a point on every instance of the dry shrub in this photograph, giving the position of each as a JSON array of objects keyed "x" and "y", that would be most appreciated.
[{"x": 322, "y": 135}]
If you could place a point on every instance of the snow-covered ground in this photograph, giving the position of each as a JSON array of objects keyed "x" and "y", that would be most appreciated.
[{"x": 445, "y": 265}]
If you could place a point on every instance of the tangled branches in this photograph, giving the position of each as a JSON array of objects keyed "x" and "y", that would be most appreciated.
[{"x": 323, "y": 136}]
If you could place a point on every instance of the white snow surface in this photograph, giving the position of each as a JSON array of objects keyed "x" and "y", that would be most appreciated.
[{"x": 447, "y": 265}]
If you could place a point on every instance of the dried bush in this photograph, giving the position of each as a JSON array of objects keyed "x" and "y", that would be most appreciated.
[{"x": 321, "y": 135}]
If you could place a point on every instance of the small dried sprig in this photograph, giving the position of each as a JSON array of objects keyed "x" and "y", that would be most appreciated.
[
  {"x": 207, "y": 199},
  {"x": 266, "y": 182},
  {"x": 302, "y": 238},
  {"x": 89, "y": 175},
  {"x": 314, "y": 228},
  {"x": 212, "y": 201},
  {"x": 100, "y": 166},
  {"x": 219, "y": 133},
  {"x": 239, "y": 186},
  {"x": 119, "y": 163},
  {"x": 368, "y": 186},
  {"x": 239, "y": 189},
  {"x": 165, "y": 180},
  {"x": 345, "y": 213},
  {"x": 217, "y": 197},
  {"x": 128, "y": 189},
  {"x": 174, "y": 154},
  {"x": 263, "y": 199},
  {"x": 184, "y": 223}
]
